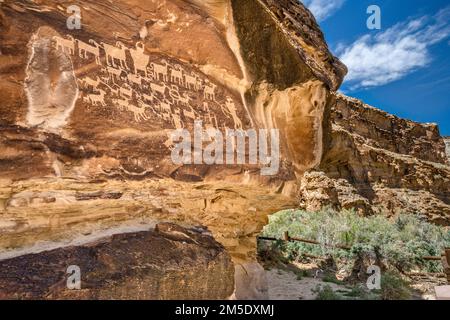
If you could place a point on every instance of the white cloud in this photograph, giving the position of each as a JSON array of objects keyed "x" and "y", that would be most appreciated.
[
  {"x": 322, "y": 9},
  {"x": 375, "y": 60}
]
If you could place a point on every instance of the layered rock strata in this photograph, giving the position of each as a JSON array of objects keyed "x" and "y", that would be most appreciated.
[{"x": 169, "y": 262}]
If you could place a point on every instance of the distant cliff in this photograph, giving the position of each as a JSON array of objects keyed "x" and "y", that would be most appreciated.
[
  {"x": 87, "y": 116},
  {"x": 378, "y": 163}
]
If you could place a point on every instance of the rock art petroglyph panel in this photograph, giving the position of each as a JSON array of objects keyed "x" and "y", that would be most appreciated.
[{"x": 150, "y": 88}]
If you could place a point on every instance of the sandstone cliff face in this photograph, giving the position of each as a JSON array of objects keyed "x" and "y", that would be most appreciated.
[
  {"x": 380, "y": 164},
  {"x": 87, "y": 115},
  {"x": 94, "y": 108}
]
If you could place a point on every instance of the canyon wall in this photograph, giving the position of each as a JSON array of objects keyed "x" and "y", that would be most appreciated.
[
  {"x": 88, "y": 115},
  {"x": 377, "y": 163}
]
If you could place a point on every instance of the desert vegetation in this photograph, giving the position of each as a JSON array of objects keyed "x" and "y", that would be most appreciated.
[{"x": 350, "y": 243}]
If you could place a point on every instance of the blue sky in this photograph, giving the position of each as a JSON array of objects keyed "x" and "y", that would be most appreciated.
[{"x": 404, "y": 68}]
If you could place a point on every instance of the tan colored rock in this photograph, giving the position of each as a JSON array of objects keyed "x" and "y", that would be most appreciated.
[
  {"x": 87, "y": 115},
  {"x": 136, "y": 73},
  {"x": 382, "y": 164}
]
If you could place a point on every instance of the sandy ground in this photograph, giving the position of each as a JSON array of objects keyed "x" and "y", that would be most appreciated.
[{"x": 284, "y": 285}]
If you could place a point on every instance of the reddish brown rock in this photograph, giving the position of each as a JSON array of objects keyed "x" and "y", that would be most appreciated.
[
  {"x": 170, "y": 262},
  {"x": 87, "y": 115}
]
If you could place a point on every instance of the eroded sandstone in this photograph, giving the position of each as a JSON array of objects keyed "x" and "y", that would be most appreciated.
[
  {"x": 87, "y": 115},
  {"x": 169, "y": 262},
  {"x": 377, "y": 163}
]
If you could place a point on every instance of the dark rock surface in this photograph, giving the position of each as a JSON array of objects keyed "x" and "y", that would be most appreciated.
[{"x": 170, "y": 262}]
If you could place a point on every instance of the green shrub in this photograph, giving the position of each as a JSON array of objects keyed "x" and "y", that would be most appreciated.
[
  {"x": 394, "y": 287},
  {"x": 326, "y": 293},
  {"x": 331, "y": 278},
  {"x": 401, "y": 242},
  {"x": 360, "y": 292}
]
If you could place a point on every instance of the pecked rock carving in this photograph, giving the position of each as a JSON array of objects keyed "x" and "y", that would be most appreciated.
[{"x": 87, "y": 148}]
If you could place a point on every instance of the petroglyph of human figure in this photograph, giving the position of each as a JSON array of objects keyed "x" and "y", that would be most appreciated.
[
  {"x": 161, "y": 70},
  {"x": 65, "y": 45},
  {"x": 210, "y": 119},
  {"x": 232, "y": 111},
  {"x": 84, "y": 49},
  {"x": 176, "y": 75},
  {"x": 210, "y": 91},
  {"x": 115, "y": 52},
  {"x": 140, "y": 59}
]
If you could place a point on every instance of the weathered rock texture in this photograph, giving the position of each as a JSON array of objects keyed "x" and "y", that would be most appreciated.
[
  {"x": 447, "y": 146},
  {"x": 169, "y": 262},
  {"x": 380, "y": 164},
  {"x": 93, "y": 110},
  {"x": 87, "y": 115}
]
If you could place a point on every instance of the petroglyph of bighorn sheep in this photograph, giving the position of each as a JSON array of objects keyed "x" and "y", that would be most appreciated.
[
  {"x": 192, "y": 82},
  {"x": 176, "y": 75},
  {"x": 115, "y": 52},
  {"x": 210, "y": 91},
  {"x": 90, "y": 82},
  {"x": 190, "y": 114},
  {"x": 115, "y": 74},
  {"x": 161, "y": 70},
  {"x": 140, "y": 59},
  {"x": 183, "y": 99},
  {"x": 122, "y": 104},
  {"x": 148, "y": 98},
  {"x": 84, "y": 49},
  {"x": 139, "y": 113},
  {"x": 65, "y": 45},
  {"x": 165, "y": 107},
  {"x": 112, "y": 90},
  {"x": 136, "y": 79},
  {"x": 158, "y": 88},
  {"x": 96, "y": 99},
  {"x": 125, "y": 92}
]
